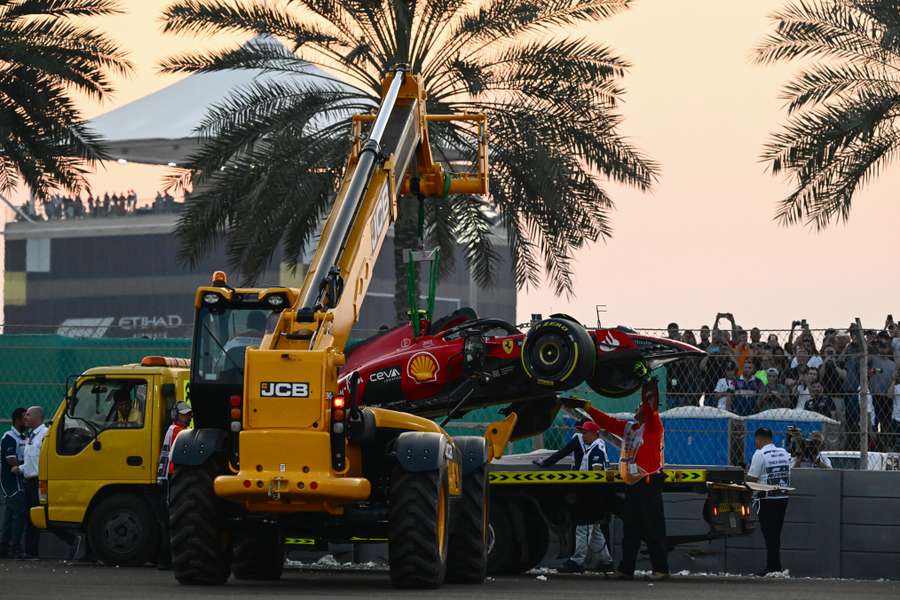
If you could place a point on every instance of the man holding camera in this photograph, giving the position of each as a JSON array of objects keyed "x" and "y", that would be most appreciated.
[
  {"x": 808, "y": 453},
  {"x": 770, "y": 465}
]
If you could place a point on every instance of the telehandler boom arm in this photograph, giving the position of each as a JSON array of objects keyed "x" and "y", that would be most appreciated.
[{"x": 395, "y": 158}]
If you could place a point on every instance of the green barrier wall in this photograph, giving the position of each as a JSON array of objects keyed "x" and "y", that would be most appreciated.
[{"x": 34, "y": 368}]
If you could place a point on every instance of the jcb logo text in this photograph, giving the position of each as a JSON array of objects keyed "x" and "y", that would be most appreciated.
[{"x": 274, "y": 389}]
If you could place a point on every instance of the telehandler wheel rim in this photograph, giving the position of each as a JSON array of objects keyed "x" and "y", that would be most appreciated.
[
  {"x": 441, "y": 521},
  {"x": 123, "y": 531}
]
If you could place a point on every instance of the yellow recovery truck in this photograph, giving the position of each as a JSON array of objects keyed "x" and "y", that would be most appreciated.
[{"x": 98, "y": 468}]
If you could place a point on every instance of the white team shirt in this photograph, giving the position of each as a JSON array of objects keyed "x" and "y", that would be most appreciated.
[
  {"x": 598, "y": 443},
  {"x": 33, "y": 452},
  {"x": 771, "y": 465}
]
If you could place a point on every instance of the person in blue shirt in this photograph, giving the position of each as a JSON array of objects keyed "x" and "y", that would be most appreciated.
[{"x": 12, "y": 456}]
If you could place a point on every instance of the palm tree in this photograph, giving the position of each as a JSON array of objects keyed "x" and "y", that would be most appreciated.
[
  {"x": 843, "y": 125},
  {"x": 45, "y": 56},
  {"x": 273, "y": 152}
]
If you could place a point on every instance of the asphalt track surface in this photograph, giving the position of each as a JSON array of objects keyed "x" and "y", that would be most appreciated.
[{"x": 55, "y": 579}]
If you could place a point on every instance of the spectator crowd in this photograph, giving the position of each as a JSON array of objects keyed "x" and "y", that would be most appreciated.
[
  {"x": 749, "y": 372},
  {"x": 58, "y": 207}
]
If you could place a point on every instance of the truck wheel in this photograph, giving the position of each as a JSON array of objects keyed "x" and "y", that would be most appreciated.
[
  {"x": 123, "y": 531},
  {"x": 258, "y": 554},
  {"x": 529, "y": 521},
  {"x": 200, "y": 547},
  {"x": 467, "y": 558},
  {"x": 502, "y": 546},
  {"x": 417, "y": 528},
  {"x": 558, "y": 353}
]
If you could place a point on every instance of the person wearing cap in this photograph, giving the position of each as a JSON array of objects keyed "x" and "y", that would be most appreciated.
[
  {"x": 773, "y": 393},
  {"x": 183, "y": 415},
  {"x": 591, "y": 549},
  {"x": 641, "y": 467},
  {"x": 770, "y": 465},
  {"x": 574, "y": 447}
]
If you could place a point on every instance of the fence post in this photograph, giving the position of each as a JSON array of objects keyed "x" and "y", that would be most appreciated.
[{"x": 863, "y": 398}]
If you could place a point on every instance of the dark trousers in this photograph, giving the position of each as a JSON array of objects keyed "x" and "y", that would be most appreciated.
[
  {"x": 771, "y": 520},
  {"x": 645, "y": 520},
  {"x": 883, "y": 405},
  {"x": 165, "y": 550},
  {"x": 32, "y": 535},
  {"x": 14, "y": 517}
]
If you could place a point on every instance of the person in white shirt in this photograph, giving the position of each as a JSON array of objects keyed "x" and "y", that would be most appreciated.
[
  {"x": 770, "y": 465},
  {"x": 34, "y": 420},
  {"x": 726, "y": 386},
  {"x": 803, "y": 389}
]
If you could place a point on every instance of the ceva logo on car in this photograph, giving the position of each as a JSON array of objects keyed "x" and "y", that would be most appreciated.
[{"x": 385, "y": 375}]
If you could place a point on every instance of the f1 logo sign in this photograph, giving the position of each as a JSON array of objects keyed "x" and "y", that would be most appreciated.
[{"x": 275, "y": 389}]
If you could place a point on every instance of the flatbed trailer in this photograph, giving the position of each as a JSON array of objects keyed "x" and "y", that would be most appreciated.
[{"x": 530, "y": 505}]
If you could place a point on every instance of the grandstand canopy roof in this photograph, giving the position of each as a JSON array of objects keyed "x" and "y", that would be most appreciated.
[{"x": 160, "y": 128}]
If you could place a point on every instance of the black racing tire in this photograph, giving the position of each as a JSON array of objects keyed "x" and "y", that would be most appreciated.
[
  {"x": 258, "y": 553},
  {"x": 468, "y": 549},
  {"x": 122, "y": 530},
  {"x": 558, "y": 354},
  {"x": 529, "y": 521},
  {"x": 617, "y": 378},
  {"x": 418, "y": 528},
  {"x": 201, "y": 548},
  {"x": 502, "y": 548}
]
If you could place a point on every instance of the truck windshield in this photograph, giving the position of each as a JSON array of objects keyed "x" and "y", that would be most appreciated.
[{"x": 223, "y": 336}]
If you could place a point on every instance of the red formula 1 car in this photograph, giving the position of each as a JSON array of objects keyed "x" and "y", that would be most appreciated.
[{"x": 461, "y": 362}]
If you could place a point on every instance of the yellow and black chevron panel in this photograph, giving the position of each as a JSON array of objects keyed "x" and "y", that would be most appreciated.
[{"x": 586, "y": 477}]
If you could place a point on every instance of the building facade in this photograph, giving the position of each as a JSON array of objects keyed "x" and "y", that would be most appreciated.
[{"x": 119, "y": 277}]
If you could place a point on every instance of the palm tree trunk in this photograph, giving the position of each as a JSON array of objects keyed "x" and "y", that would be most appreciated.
[{"x": 406, "y": 234}]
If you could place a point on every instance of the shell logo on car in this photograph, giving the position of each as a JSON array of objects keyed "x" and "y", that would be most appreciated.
[{"x": 422, "y": 368}]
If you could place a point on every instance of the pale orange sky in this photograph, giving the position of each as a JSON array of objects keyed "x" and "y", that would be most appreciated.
[{"x": 704, "y": 240}]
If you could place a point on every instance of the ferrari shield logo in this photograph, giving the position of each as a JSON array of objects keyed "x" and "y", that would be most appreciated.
[{"x": 508, "y": 346}]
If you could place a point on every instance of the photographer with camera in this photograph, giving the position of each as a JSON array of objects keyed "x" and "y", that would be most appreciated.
[{"x": 807, "y": 452}]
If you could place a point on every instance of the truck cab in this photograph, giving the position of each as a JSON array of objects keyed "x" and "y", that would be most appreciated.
[{"x": 99, "y": 459}]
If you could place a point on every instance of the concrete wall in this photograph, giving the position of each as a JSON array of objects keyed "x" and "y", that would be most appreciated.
[
  {"x": 838, "y": 524},
  {"x": 842, "y": 524}
]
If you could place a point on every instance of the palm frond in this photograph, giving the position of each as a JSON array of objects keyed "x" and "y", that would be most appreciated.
[
  {"x": 843, "y": 111},
  {"x": 551, "y": 102}
]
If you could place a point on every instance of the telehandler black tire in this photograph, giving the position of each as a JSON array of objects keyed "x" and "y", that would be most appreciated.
[
  {"x": 122, "y": 530},
  {"x": 201, "y": 549},
  {"x": 468, "y": 546},
  {"x": 258, "y": 553},
  {"x": 418, "y": 519}
]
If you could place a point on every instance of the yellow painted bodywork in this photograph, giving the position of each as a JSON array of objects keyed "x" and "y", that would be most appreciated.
[
  {"x": 288, "y": 469},
  {"x": 73, "y": 481},
  {"x": 498, "y": 434}
]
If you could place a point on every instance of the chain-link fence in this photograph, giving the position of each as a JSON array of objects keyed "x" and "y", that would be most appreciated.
[
  {"x": 805, "y": 381},
  {"x": 34, "y": 368},
  {"x": 803, "y": 384}
]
